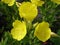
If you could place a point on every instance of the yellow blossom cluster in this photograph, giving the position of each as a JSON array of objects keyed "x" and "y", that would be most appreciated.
[
  {"x": 28, "y": 11},
  {"x": 42, "y": 31}
]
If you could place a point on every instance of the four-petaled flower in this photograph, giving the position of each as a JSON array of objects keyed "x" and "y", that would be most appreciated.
[
  {"x": 42, "y": 31},
  {"x": 18, "y": 31}
]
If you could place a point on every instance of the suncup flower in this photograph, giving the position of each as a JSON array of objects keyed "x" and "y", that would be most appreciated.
[
  {"x": 18, "y": 31},
  {"x": 42, "y": 31},
  {"x": 28, "y": 11},
  {"x": 56, "y": 1},
  {"x": 9, "y": 2},
  {"x": 37, "y": 2}
]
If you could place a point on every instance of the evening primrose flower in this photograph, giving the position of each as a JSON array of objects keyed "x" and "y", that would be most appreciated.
[
  {"x": 28, "y": 11},
  {"x": 9, "y": 2},
  {"x": 37, "y": 2},
  {"x": 42, "y": 31},
  {"x": 18, "y": 31},
  {"x": 56, "y": 1}
]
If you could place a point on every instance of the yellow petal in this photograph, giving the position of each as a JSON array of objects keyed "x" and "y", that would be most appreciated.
[
  {"x": 9, "y": 2},
  {"x": 37, "y": 2},
  {"x": 16, "y": 23}
]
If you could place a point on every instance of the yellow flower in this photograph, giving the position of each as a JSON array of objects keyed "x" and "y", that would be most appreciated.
[
  {"x": 9, "y": 2},
  {"x": 37, "y": 2},
  {"x": 18, "y": 31},
  {"x": 42, "y": 31},
  {"x": 28, "y": 11},
  {"x": 56, "y": 1}
]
